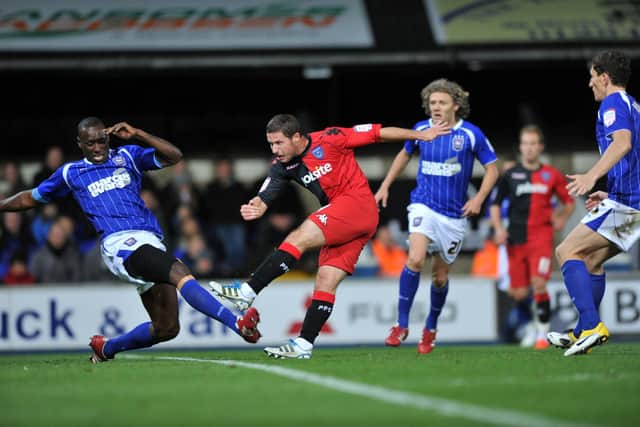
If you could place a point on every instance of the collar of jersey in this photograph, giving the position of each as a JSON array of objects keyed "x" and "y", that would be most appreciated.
[{"x": 455, "y": 127}]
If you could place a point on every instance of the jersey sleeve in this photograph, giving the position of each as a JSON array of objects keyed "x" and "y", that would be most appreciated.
[
  {"x": 483, "y": 149},
  {"x": 501, "y": 191},
  {"x": 53, "y": 187},
  {"x": 616, "y": 115},
  {"x": 273, "y": 184},
  {"x": 560, "y": 188},
  {"x": 144, "y": 158},
  {"x": 354, "y": 137}
]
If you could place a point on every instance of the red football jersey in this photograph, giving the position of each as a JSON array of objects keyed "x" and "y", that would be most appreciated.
[
  {"x": 530, "y": 195},
  {"x": 327, "y": 167}
]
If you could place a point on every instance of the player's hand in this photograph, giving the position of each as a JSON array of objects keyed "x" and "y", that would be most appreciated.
[
  {"x": 122, "y": 130},
  {"x": 381, "y": 196},
  {"x": 500, "y": 236},
  {"x": 580, "y": 184},
  {"x": 472, "y": 207},
  {"x": 253, "y": 210},
  {"x": 436, "y": 130},
  {"x": 595, "y": 199}
]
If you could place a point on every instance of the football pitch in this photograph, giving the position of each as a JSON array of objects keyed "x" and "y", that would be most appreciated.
[{"x": 360, "y": 386}]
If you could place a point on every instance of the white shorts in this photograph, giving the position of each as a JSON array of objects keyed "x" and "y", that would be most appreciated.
[
  {"x": 117, "y": 247},
  {"x": 445, "y": 233},
  {"x": 616, "y": 222}
]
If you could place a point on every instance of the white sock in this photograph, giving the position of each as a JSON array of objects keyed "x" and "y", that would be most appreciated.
[
  {"x": 304, "y": 344},
  {"x": 247, "y": 290}
]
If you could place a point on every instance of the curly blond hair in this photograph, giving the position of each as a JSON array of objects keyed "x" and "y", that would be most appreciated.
[{"x": 459, "y": 95}]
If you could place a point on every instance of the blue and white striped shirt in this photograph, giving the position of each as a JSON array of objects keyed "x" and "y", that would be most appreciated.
[
  {"x": 621, "y": 111},
  {"x": 446, "y": 164},
  {"x": 108, "y": 193}
]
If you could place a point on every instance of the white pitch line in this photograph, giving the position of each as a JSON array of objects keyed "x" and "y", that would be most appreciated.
[{"x": 446, "y": 407}]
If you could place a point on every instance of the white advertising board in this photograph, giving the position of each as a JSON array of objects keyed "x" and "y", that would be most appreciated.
[{"x": 60, "y": 318}]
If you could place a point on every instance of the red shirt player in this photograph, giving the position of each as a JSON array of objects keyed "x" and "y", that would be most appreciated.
[
  {"x": 324, "y": 163},
  {"x": 530, "y": 186}
]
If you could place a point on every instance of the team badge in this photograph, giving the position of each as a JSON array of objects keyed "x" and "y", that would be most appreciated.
[
  {"x": 130, "y": 241},
  {"x": 318, "y": 153},
  {"x": 417, "y": 221},
  {"x": 323, "y": 218},
  {"x": 118, "y": 160},
  {"x": 546, "y": 176},
  {"x": 609, "y": 117},
  {"x": 457, "y": 142}
]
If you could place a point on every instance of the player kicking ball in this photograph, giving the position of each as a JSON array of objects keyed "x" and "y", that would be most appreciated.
[{"x": 106, "y": 184}]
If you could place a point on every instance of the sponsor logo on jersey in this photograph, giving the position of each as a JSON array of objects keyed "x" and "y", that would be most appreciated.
[
  {"x": 119, "y": 179},
  {"x": 363, "y": 128},
  {"x": 518, "y": 175},
  {"x": 441, "y": 169},
  {"x": 315, "y": 174},
  {"x": 529, "y": 188},
  {"x": 318, "y": 153},
  {"x": 130, "y": 241},
  {"x": 417, "y": 221},
  {"x": 457, "y": 142},
  {"x": 322, "y": 218},
  {"x": 293, "y": 166},
  {"x": 118, "y": 160},
  {"x": 609, "y": 117}
]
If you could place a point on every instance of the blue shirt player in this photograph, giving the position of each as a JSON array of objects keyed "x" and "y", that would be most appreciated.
[
  {"x": 106, "y": 185},
  {"x": 439, "y": 204},
  {"x": 612, "y": 225}
]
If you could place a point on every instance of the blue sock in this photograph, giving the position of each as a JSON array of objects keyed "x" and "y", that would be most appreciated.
[
  {"x": 577, "y": 280},
  {"x": 438, "y": 298},
  {"x": 409, "y": 282},
  {"x": 523, "y": 310},
  {"x": 138, "y": 337},
  {"x": 200, "y": 299},
  {"x": 597, "y": 290}
]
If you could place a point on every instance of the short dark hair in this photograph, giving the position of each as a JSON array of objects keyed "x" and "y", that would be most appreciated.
[
  {"x": 616, "y": 64},
  {"x": 89, "y": 122},
  {"x": 288, "y": 124}
]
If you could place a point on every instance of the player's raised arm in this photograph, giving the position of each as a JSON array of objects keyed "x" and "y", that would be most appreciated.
[
  {"x": 18, "y": 202},
  {"x": 394, "y": 134},
  {"x": 166, "y": 152}
]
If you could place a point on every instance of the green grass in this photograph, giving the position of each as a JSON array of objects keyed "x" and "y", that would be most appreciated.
[{"x": 602, "y": 388}]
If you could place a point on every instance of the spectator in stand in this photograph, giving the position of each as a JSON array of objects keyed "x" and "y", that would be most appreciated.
[
  {"x": 42, "y": 221},
  {"x": 14, "y": 237},
  {"x": 198, "y": 257},
  {"x": 391, "y": 256},
  {"x": 179, "y": 191},
  {"x": 226, "y": 231},
  {"x": 12, "y": 180},
  {"x": 17, "y": 273},
  {"x": 52, "y": 161},
  {"x": 58, "y": 260}
]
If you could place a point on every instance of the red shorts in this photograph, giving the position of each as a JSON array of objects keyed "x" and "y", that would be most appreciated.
[
  {"x": 528, "y": 260},
  {"x": 348, "y": 223}
]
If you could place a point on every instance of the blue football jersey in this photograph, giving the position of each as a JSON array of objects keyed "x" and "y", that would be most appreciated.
[
  {"x": 108, "y": 193},
  {"x": 621, "y": 111},
  {"x": 446, "y": 164}
]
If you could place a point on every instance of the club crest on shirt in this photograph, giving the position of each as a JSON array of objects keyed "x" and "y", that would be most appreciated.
[
  {"x": 457, "y": 142},
  {"x": 118, "y": 160},
  {"x": 546, "y": 176},
  {"x": 318, "y": 153},
  {"x": 609, "y": 117}
]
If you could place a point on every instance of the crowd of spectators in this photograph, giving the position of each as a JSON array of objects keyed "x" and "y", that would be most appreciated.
[{"x": 55, "y": 243}]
